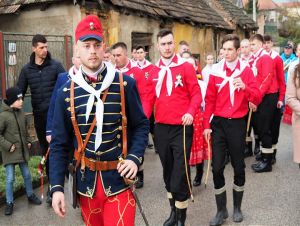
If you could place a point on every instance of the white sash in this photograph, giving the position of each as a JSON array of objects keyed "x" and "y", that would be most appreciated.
[{"x": 80, "y": 81}]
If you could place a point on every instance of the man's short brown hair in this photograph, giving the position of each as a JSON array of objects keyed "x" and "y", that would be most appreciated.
[
  {"x": 232, "y": 37},
  {"x": 257, "y": 37},
  {"x": 268, "y": 38},
  {"x": 163, "y": 33}
]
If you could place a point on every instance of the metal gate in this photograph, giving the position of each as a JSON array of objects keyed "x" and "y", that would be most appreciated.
[{"x": 15, "y": 51}]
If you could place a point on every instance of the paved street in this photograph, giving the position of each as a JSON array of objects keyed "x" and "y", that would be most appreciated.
[{"x": 271, "y": 199}]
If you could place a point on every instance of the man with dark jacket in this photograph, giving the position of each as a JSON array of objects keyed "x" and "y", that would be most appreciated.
[{"x": 40, "y": 75}]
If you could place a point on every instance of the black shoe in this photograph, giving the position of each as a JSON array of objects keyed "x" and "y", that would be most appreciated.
[
  {"x": 171, "y": 221},
  {"x": 34, "y": 199},
  {"x": 150, "y": 146},
  {"x": 49, "y": 199},
  {"x": 222, "y": 213},
  {"x": 258, "y": 156},
  {"x": 255, "y": 165},
  {"x": 248, "y": 150},
  {"x": 140, "y": 180},
  {"x": 9, "y": 208},
  {"x": 265, "y": 165},
  {"x": 199, "y": 174}
]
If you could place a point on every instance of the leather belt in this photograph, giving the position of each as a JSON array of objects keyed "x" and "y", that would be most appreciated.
[{"x": 95, "y": 165}]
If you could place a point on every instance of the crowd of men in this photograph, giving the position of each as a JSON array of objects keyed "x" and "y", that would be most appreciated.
[{"x": 102, "y": 110}]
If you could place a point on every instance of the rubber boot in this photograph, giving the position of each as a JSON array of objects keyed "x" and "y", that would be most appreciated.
[
  {"x": 265, "y": 165},
  {"x": 180, "y": 217},
  {"x": 222, "y": 212},
  {"x": 237, "y": 202},
  {"x": 171, "y": 221},
  {"x": 140, "y": 179},
  {"x": 248, "y": 149},
  {"x": 274, "y": 156},
  {"x": 199, "y": 174},
  {"x": 256, "y": 146}
]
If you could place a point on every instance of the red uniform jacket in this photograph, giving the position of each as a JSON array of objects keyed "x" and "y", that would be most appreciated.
[
  {"x": 279, "y": 75},
  {"x": 218, "y": 103},
  {"x": 185, "y": 98},
  {"x": 139, "y": 76},
  {"x": 263, "y": 67}
]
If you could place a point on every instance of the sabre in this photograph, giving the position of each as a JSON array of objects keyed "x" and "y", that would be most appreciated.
[
  {"x": 209, "y": 162},
  {"x": 248, "y": 137},
  {"x": 141, "y": 209}
]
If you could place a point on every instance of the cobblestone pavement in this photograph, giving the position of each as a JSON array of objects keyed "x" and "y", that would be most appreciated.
[{"x": 271, "y": 199}]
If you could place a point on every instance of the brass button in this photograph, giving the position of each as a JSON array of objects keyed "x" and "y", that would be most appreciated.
[
  {"x": 69, "y": 109},
  {"x": 98, "y": 153},
  {"x": 94, "y": 85},
  {"x": 120, "y": 128},
  {"x": 119, "y": 145},
  {"x": 118, "y": 136},
  {"x": 125, "y": 83},
  {"x": 65, "y": 89},
  {"x": 67, "y": 99}
]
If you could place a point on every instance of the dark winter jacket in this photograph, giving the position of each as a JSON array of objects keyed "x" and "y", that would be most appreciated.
[
  {"x": 41, "y": 81},
  {"x": 13, "y": 131}
]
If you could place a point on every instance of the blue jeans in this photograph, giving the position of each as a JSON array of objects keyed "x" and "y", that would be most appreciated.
[{"x": 10, "y": 179}]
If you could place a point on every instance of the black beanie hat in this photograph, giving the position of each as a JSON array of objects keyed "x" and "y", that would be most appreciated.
[{"x": 12, "y": 94}]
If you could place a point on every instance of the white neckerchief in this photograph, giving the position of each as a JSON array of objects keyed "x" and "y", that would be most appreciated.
[
  {"x": 145, "y": 63},
  {"x": 255, "y": 57},
  {"x": 80, "y": 81},
  {"x": 218, "y": 71},
  {"x": 273, "y": 54},
  {"x": 95, "y": 74},
  {"x": 126, "y": 68},
  {"x": 161, "y": 75}
]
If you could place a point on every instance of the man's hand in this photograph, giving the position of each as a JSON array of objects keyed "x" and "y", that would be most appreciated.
[
  {"x": 238, "y": 83},
  {"x": 279, "y": 104},
  {"x": 128, "y": 169},
  {"x": 12, "y": 148},
  {"x": 187, "y": 119},
  {"x": 48, "y": 138},
  {"x": 206, "y": 134},
  {"x": 253, "y": 107},
  {"x": 29, "y": 146},
  {"x": 58, "y": 203}
]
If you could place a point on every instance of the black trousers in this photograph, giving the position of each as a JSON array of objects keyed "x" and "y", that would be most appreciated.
[
  {"x": 264, "y": 118},
  {"x": 40, "y": 122},
  {"x": 228, "y": 134},
  {"x": 169, "y": 144},
  {"x": 276, "y": 125}
]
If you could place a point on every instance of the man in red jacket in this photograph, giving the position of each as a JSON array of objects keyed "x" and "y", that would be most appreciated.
[
  {"x": 263, "y": 68},
  {"x": 279, "y": 79},
  {"x": 231, "y": 87},
  {"x": 174, "y": 92},
  {"x": 125, "y": 66}
]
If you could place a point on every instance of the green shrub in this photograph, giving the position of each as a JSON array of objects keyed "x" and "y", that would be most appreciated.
[{"x": 19, "y": 182}]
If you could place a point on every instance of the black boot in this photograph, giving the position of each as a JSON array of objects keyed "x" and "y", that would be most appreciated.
[
  {"x": 248, "y": 150},
  {"x": 256, "y": 146},
  {"x": 180, "y": 216},
  {"x": 171, "y": 221},
  {"x": 140, "y": 179},
  {"x": 274, "y": 157},
  {"x": 258, "y": 156},
  {"x": 265, "y": 165},
  {"x": 34, "y": 199},
  {"x": 9, "y": 208},
  {"x": 237, "y": 202},
  {"x": 222, "y": 212},
  {"x": 199, "y": 174}
]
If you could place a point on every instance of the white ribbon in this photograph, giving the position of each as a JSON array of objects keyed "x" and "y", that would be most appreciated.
[
  {"x": 255, "y": 58},
  {"x": 80, "y": 81},
  {"x": 162, "y": 73},
  {"x": 218, "y": 71}
]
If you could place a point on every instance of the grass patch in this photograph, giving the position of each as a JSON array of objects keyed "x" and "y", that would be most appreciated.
[{"x": 19, "y": 182}]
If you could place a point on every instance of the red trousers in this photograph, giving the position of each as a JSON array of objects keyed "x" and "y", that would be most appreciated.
[{"x": 117, "y": 210}]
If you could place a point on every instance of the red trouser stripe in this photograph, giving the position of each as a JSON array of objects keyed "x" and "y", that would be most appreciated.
[{"x": 117, "y": 210}]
